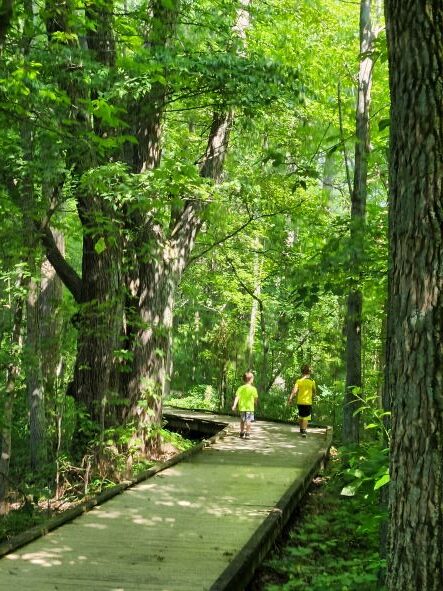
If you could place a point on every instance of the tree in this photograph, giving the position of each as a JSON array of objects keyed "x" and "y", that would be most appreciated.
[
  {"x": 414, "y": 373},
  {"x": 6, "y": 9},
  {"x": 9, "y": 390},
  {"x": 353, "y": 385},
  {"x": 133, "y": 252}
]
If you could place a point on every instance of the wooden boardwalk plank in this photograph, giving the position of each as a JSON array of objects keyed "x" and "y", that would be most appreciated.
[{"x": 181, "y": 530}]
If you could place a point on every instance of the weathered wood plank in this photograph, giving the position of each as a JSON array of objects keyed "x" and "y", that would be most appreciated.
[{"x": 189, "y": 527}]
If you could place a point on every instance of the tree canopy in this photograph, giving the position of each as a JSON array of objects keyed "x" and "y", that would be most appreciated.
[{"x": 191, "y": 189}]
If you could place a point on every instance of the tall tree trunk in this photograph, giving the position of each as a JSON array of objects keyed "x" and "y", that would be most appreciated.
[
  {"x": 34, "y": 379},
  {"x": 414, "y": 376},
  {"x": 353, "y": 385},
  {"x": 148, "y": 112},
  {"x": 6, "y": 12},
  {"x": 32, "y": 349},
  {"x": 328, "y": 179},
  {"x": 99, "y": 291},
  {"x": 100, "y": 316},
  {"x": 7, "y": 401},
  {"x": 157, "y": 282},
  {"x": 264, "y": 369},
  {"x": 250, "y": 339},
  {"x": 51, "y": 322},
  {"x": 158, "y": 277}
]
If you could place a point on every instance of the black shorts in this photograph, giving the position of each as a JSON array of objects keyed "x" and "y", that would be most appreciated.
[{"x": 304, "y": 410}]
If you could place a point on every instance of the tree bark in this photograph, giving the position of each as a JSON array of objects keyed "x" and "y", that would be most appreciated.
[
  {"x": 353, "y": 387},
  {"x": 12, "y": 373},
  {"x": 157, "y": 278},
  {"x": 148, "y": 112},
  {"x": 32, "y": 358},
  {"x": 51, "y": 323},
  {"x": 99, "y": 291},
  {"x": 414, "y": 376},
  {"x": 6, "y": 11},
  {"x": 157, "y": 281},
  {"x": 158, "y": 256},
  {"x": 250, "y": 339},
  {"x": 34, "y": 379}
]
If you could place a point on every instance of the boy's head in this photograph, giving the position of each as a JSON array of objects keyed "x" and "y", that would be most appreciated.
[
  {"x": 305, "y": 370},
  {"x": 248, "y": 377}
]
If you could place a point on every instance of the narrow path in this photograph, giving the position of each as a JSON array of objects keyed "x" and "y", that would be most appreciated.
[{"x": 198, "y": 525}]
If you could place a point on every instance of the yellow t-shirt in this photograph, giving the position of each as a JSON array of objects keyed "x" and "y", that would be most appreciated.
[
  {"x": 306, "y": 387},
  {"x": 246, "y": 397}
]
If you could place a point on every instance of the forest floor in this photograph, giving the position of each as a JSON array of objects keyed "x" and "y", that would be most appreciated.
[
  {"x": 36, "y": 502},
  {"x": 331, "y": 543}
]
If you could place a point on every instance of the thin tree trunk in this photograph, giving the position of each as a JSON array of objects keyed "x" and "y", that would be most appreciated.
[
  {"x": 51, "y": 326},
  {"x": 12, "y": 373},
  {"x": 353, "y": 387},
  {"x": 51, "y": 323},
  {"x": 414, "y": 375},
  {"x": 250, "y": 339},
  {"x": 328, "y": 179},
  {"x": 254, "y": 313},
  {"x": 34, "y": 380},
  {"x": 264, "y": 369}
]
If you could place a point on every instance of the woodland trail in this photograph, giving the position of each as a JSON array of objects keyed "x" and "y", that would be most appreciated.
[{"x": 202, "y": 524}]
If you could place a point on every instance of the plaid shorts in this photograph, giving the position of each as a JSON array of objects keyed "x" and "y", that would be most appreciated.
[{"x": 247, "y": 416}]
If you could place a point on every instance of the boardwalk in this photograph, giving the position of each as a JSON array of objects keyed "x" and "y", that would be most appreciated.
[{"x": 198, "y": 525}]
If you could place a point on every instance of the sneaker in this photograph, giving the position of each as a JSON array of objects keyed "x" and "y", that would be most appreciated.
[
  {"x": 303, "y": 433},
  {"x": 247, "y": 436},
  {"x": 242, "y": 435}
]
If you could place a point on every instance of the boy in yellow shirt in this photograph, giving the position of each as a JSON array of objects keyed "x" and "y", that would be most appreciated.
[
  {"x": 246, "y": 398},
  {"x": 305, "y": 389}
]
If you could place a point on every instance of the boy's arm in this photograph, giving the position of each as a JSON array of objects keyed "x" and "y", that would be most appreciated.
[
  {"x": 293, "y": 393},
  {"x": 234, "y": 406}
]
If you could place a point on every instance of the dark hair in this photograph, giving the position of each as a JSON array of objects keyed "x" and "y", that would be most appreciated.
[
  {"x": 305, "y": 370},
  {"x": 248, "y": 376}
]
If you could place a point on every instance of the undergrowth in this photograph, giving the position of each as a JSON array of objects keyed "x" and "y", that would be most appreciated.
[
  {"x": 102, "y": 466},
  {"x": 333, "y": 544}
]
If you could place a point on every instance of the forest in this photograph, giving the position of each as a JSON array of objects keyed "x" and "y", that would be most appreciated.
[{"x": 190, "y": 189}]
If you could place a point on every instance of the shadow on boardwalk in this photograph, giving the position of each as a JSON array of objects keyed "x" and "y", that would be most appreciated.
[{"x": 202, "y": 524}]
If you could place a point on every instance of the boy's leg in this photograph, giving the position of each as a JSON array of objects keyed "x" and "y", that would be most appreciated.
[
  {"x": 242, "y": 427},
  {"x": 248, "y": 425},
  {"x": 304, "y": 416}
]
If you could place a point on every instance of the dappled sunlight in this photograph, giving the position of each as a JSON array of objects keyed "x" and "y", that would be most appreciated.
[
  {"x": 44, "y": 558},
  {"x": 103, "y": 513},
  {"x": 188, "y": 504},
  {"x": 212, "y": 503},
  {"x": 153, "y": 522}
]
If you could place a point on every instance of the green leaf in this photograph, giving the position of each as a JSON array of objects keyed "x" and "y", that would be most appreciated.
[
  {"x": 100, "y": 245},
  {"x": 382, "y": 481},
  {"x": 348, "y": 491}
]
